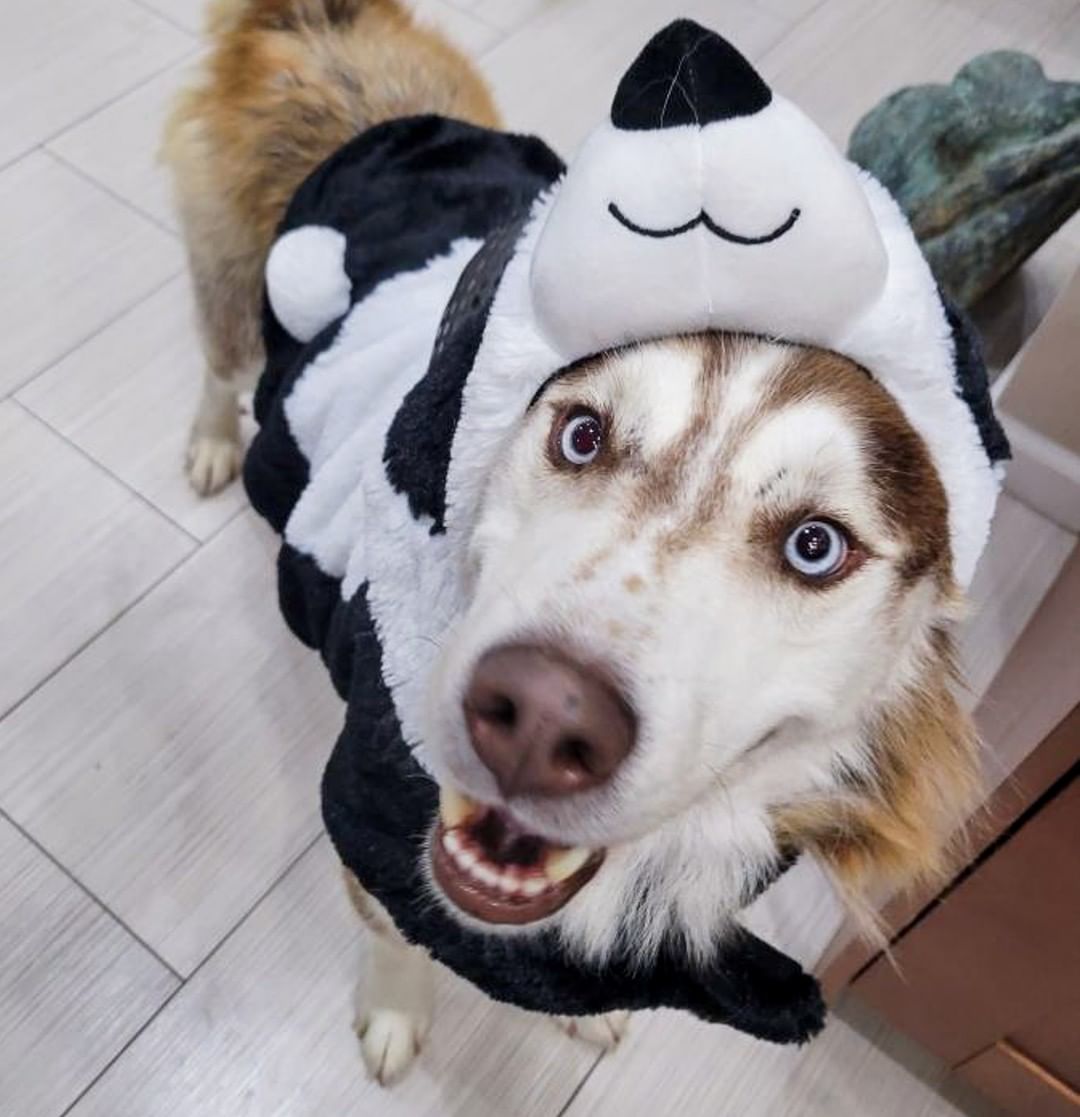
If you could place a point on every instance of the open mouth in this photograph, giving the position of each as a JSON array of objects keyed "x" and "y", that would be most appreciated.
[{"x": 496, "y": 871}]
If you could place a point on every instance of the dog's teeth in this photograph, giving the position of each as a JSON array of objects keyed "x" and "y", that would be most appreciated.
[
  {"x": 454, "y": 808},
  {"x": 486, "y": 874},
  {"x": 467, "y": 859},
  {"x": 509, "y": 883},
  {"x": 451, "y": 839},
  {"x": 562, "y": 864},
  {"x": 533, "y": 886}
]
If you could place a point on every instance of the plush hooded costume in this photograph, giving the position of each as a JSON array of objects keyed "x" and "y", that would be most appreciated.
[{"x": 428, "y": 279}]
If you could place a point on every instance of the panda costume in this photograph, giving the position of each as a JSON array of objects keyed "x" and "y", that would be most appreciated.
[{"x": 428, "y": 279}]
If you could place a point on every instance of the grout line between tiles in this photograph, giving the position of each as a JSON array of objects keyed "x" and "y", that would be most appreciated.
[
  {"x": 98, "y": 902},
  {"x": 501, "y": 35},
  {"x": 75, "y": 169},
  {"x": 15, "y": 159},
  {"x": 230, "y": 519},
  {"x": 166, "y": 18},
  {"x": 761, "y": 62},
  {"x": 68, "y": 125},
  {"x": 111, "y": 321},
  {"x": 145, "y": 501},
  {"x": 252, "y": 908},
  {"x": 119, "y": 615},
  {"x": 580, "y": 1086},
  {"x": 490, "y": 24}
]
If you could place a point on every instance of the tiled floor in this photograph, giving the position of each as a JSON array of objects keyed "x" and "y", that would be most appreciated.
[{"x": 173, "y": 938}]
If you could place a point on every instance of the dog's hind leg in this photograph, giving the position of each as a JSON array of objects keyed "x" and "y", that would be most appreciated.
[
  {"x": 227, "y": 297},
  {"x": 395, "y": 999},
  {"x": 226, "y": 255}
]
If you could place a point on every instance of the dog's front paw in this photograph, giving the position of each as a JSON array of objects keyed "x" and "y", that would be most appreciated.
[
  {"x": 390, "y": 1041},
  {"x": 212, "y": 462},
  {"x": 604, "y": 1031}
]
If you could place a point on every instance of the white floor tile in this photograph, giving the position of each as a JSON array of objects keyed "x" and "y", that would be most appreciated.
[
  {"x": 74, "y": 986},
  {"x": 511, "y": 14},
  {"x": 61, "y": 59},
  {"x": 672, "y": 1063},
  {"x": 73, "y": 258},
  {"x": 119, "y": 145},
  {"x": 557, "y": 75},
  {"x": 1025, "y": 553},
  {"x": 464, "y": 29},
  {"x": 265, "y": 1029},
  {"x": 174, "y": 765},
  {"x": 473, "y": 34},
  {"x": 76, "y": 548},
  {"x": 126, "y": 398},
  {"x": 188, "y": 14},
  {"x": 790, "y": 9},
  {"x": 849, "y": 54}
]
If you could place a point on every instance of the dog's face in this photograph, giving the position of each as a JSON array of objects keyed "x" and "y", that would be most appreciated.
[{"x": 711, "y": 585}]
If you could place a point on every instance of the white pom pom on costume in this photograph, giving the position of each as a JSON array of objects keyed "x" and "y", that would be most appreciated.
[{"x": 306, "y": 280}]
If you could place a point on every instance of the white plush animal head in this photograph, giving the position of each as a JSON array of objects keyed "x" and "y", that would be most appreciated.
[
  {"x": 706, "y": 201},
  {"x": 744, "y": 545}
]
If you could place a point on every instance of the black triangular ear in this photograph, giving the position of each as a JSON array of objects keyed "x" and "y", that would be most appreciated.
[{"x": 687, "y": 75}]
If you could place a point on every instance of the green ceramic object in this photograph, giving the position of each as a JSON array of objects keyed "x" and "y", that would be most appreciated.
[{"x": 986, "y": 168}]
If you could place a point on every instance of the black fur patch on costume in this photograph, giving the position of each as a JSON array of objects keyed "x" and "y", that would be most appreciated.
[
  {"x": 307, "y": 596},
  {"x": 275, "y": 470},
  {"x": 419, "y": 441},
  {"x": 687, "y": 75},
  {"x": 972, "y": 383},
  {"x": 379, "y": 806},
  {"x": 402, "y": 192}
]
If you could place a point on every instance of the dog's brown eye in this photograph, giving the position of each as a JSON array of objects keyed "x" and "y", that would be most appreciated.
[
  {"x": 816, "y": 548},
  {"x": 581, "y": 438}
]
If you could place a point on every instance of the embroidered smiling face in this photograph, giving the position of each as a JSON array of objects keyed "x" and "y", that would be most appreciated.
[
  {"x": 704, "y": 190},
  {"x": 712, "y": 594}
]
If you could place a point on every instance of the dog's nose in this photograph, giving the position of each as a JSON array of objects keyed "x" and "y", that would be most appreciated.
[{"x": 545, "y": 725}]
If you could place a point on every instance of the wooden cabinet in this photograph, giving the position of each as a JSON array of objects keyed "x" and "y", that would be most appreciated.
[
  {"x": 1020, "y": 1084},
  {"x": 986, "y": 973},
  {"x": 988, "y": 977}
]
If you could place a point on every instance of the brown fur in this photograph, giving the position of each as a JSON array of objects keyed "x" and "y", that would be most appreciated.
[
  {"x": 287, "y": 83},
  {"x": 663, "y": 481},
  {"x": 896, "y": 825},
  {"x": 911, "y": 498},
  {"x": 893, "y": 827}
]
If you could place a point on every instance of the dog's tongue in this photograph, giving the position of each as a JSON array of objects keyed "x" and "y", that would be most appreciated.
[{"x": 504, "y": 842}]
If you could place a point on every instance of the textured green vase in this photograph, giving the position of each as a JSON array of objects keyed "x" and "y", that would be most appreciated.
[{"x": 985, "y": 168}]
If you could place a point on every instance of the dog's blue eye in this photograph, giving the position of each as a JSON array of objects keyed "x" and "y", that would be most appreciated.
[{"x": 816, "y": 549}]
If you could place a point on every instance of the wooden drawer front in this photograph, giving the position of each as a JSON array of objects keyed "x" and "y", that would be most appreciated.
[
  {"x": 1021, "y": 1086},
  {"x": 1000, "y": 953}
]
